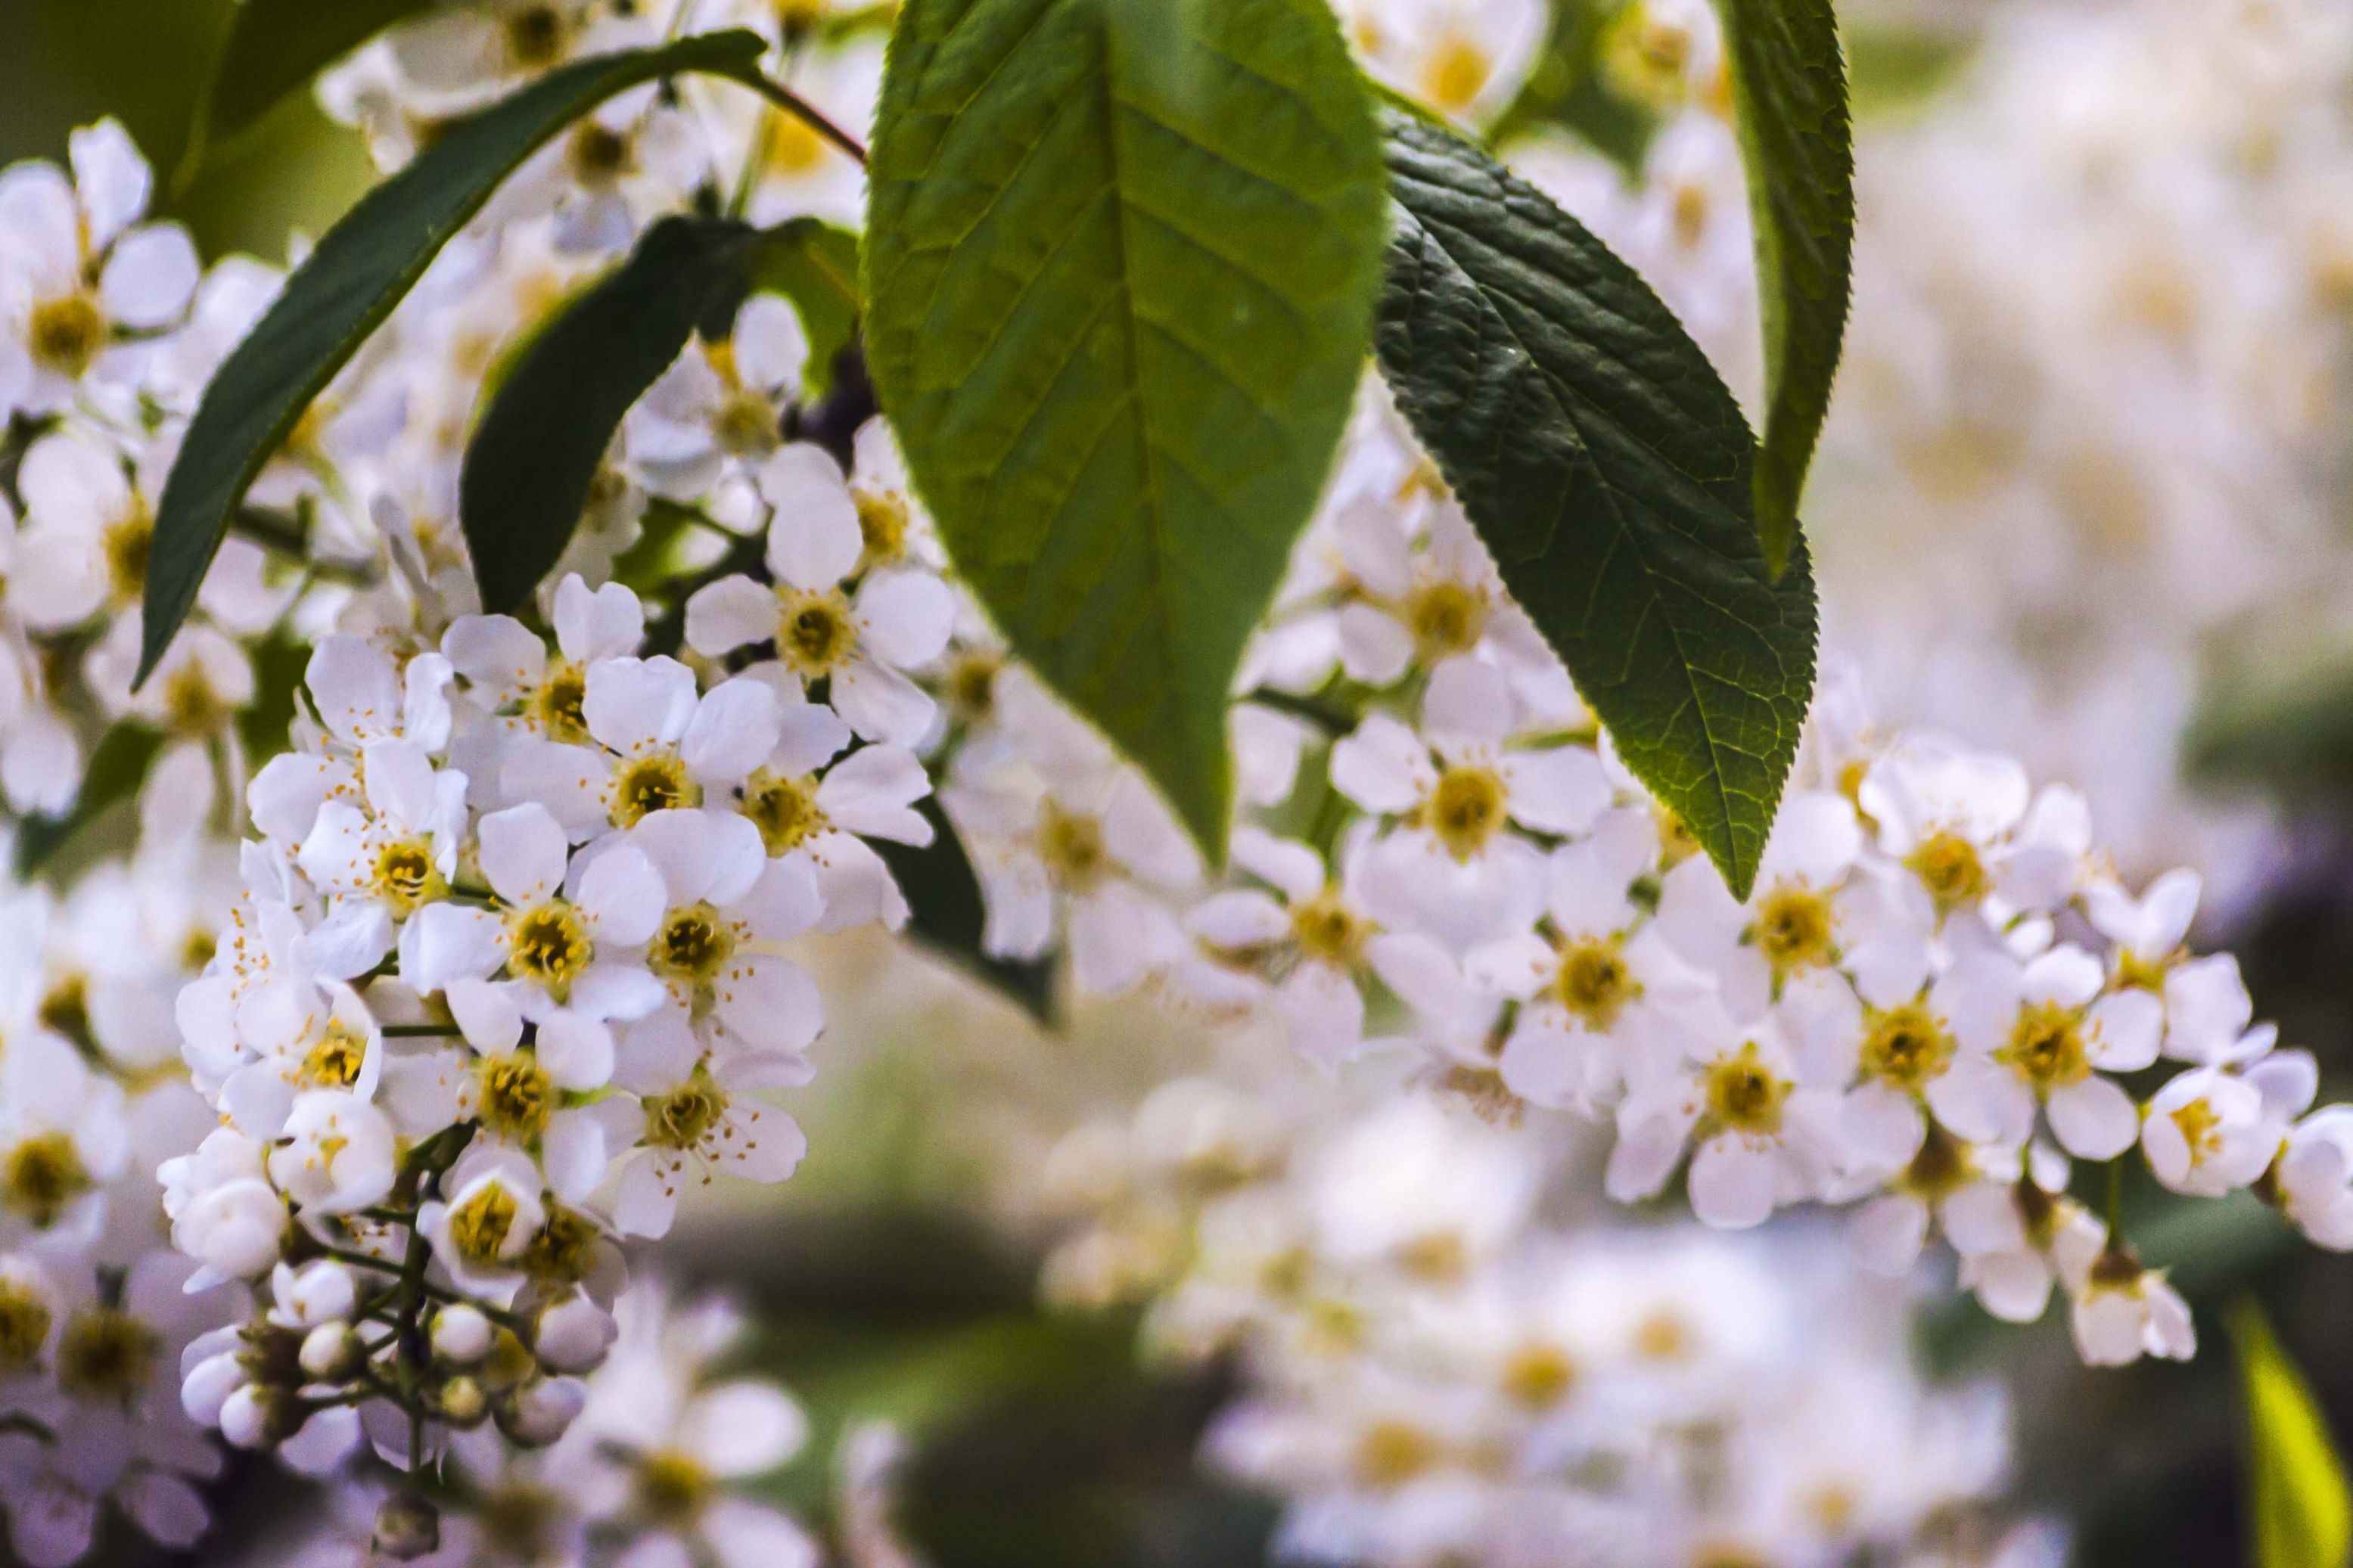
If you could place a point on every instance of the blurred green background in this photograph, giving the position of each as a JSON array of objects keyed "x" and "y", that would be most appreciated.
[{"x": 64, "y": 63}]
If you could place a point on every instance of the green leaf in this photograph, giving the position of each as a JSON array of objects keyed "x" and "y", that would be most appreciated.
[
  {"x": 534, "y": 457},
  {"x": 1608, "y": 470},
  {"x": 946, "y": 914},
  {"x": 350, "y": 282},
  {"x": 272, "y": 48},
  {"x": 1120, "y": 261},
  {"x": 1789, "y": 98},
  {"x": 812, "y": 264},
  {"x": 2300, "y": 1513}
]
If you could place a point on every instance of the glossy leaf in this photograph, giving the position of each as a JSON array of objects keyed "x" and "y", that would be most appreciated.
[
  {"x": 1121, "y": 257},
  {"x": 1790, "y": 100},
  {"x": 1608, "y": 471},
  {"x": 2301, "y": 1513},
  {"x": 532, "y": 459},
  {"x": 350, "y": 283},
  {"x": 271, "y": 49},
  {"x": 946, "y": 913}
]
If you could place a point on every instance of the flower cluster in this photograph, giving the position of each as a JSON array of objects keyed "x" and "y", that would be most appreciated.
[
  {"x": 1439, "y": 1369},
  {"x": 1937, "y": 1001},
  {"x": 108, "y": 330},
  {"x": 96, "y": 1310},
  {"x": 2030, "y": 239},
  {"x": 649, "y": 1471},
  {"x": 508, "y": 972}
]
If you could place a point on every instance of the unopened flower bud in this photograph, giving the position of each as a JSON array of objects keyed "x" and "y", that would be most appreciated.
[
  {"x": 208, "y": 1386},
  {"x": 573, "y": 1334},
  {"x": 408, "y": 1527},
  {"x": 245, "y": 1417},
  {"x": 461, "y": 1334},
  {"x": 321, "y": 1291},
  {"x": 331, "y": 1352},
  {"x": 544, "y": 1411},
  {"x": 462, "y": 1402}
]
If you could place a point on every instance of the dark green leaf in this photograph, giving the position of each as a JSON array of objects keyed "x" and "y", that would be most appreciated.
[
  {"x": 1788, "y": 97},
  {"x": 271, "y": 48},
  {"x": 2301, "y": 1514},
  {"x": 1608, "y": 470},
  {"x": 532, "y": 459},
  {"x": 814, "y": 264},
  {"x": 1120, "y": 260},
  {"x": 350, "y": 282},
  {"x": 113, "y": 777},
  {"x": 946, "y": 913}
]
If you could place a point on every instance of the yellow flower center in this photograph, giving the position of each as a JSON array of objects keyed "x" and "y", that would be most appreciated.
[
  {"x": 883, "y": 523},
  {"x": 815, "y": 634},
  {"x": 1327, "y": 931},
  {"x": 747, "y": 426},
  {"x": 1906, "y": 1046},
  {"x": 2046, "y": 1046},
  {"x": 2200, "y": 1129},
  {"x": 42, "y": 1175},
  {"x": 1392, "y": 1452},
  {"x": 518, "y": 1520},
  {"x": 1662, "y": 1336},
  {"x": 1536, "y": 1376},
  {"x": 785, "y": 810},
  {"x": 335, "y": 1061},
  {"x": 672, "y": 1487},
  {"x": 693, "y": 945},
  {"x": 972, "y": 684},
  {"x": 1445, "y": 617},
  {"x": 405, "y": 877},
  {"x": 1941, "y": 1168},
  {"x": 1071, "y": 842},
  {"x": 66, "y": 333},
  {"x": 600, "y": 154},
  {"x": 1948, "y": 866},
  {"x": 534, "y": 36},
  {"x": 515, "y": 1095},
  {"x": 1794, "y": 927},
  {"x": 106, "y": 1354},
  {"x": 23, "y": 1327},
  {"x": 794, "y": 146},
  {"x": 66, "y": 1009},
  {"x": 1744, "y": 1095},
  {"x": 685, "y": 1116},
  {"x": 479, "y": 1226},
  {"x": 549, "y": 946},
  {"x": 556, "y": 704},
  {"x": 191, "y": 707},
  {"x": 1593, "y": 981},
  {"x": 565, "y": 1250},
  {"x": 1464, "y": 809},
  {"x": 651, "y": 784},
  {"x": 125, "y": 543}
]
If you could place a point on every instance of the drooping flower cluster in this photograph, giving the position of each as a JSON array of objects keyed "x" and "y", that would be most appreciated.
[
  {"x": 507, "y": 973},
  {"x": 108, "y": 330},
  {"x": 649, "y": 1472},
  {"x": 2039, "y": 233},
  {"x": 1935, "y": 1003},
  {"x": 96, "y": 1309},
  {"x": 1439, "y": 1369}
]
